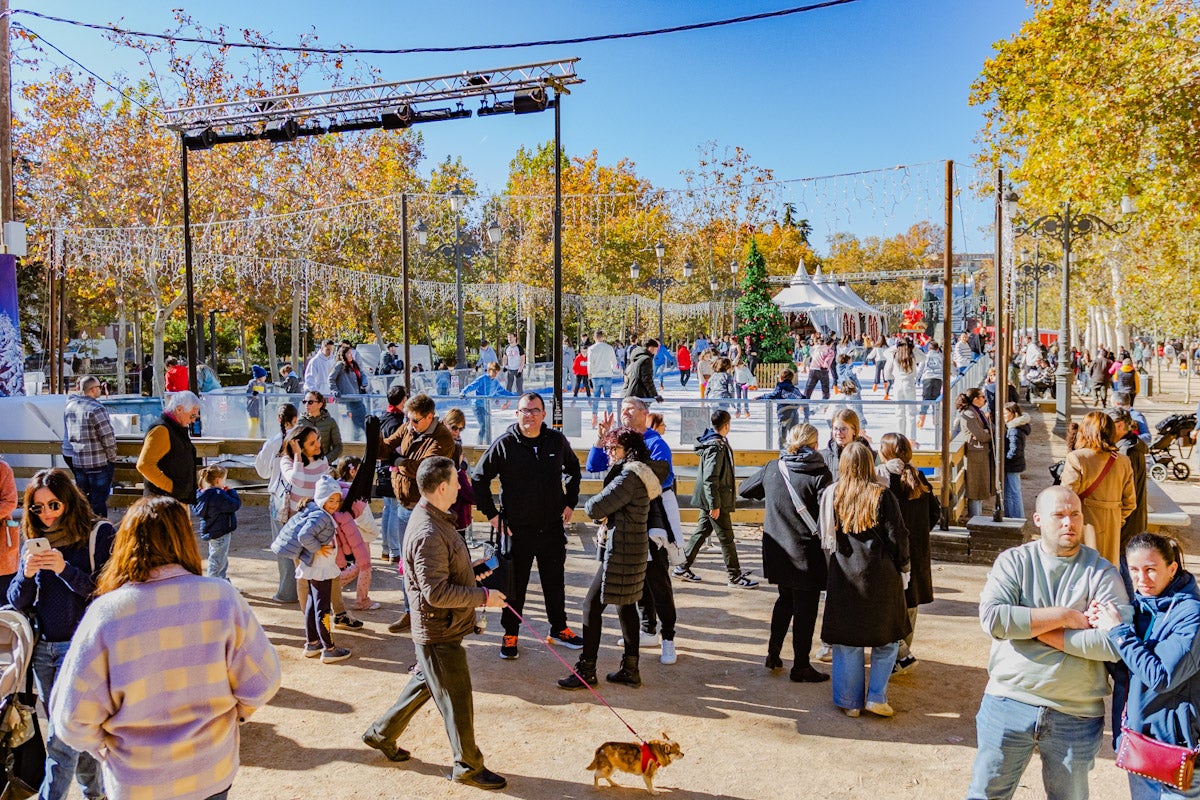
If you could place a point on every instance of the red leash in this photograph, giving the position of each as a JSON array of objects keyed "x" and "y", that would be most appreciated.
[{"x": 647, "y": 755}]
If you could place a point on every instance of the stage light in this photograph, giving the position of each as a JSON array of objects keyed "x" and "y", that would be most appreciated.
[
  {"x": 398, "y": 118},
  {"x": 530, "y": 101},
  {"x": 200, "y": 139},
  {"x": 282, "y": 130}
]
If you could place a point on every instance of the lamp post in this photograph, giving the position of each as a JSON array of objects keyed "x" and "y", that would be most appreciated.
[
  {"x": 660, "y": 282},
  {"x": 458, "y": 199},
  {"x": 726, "y": 294},
  {"x": 494, "y": 232},
  {"x": 1066, "y": 227},
  {"x": 733, "y": 268},
  {"x": 1035, "y": 270}
]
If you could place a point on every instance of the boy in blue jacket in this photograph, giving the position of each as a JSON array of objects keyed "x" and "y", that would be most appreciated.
[{"x": 216, "y": 505}]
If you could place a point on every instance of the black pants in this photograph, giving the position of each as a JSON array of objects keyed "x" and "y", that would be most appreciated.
[
  {"x": 795, "y": 608},
  {"x": 684, "y": 375},
  {"x": 550, "y": 550},
  {"x": 817, "y": 375},
  {"x": 444, "y": 677},
  {"x": 582, "y": 382},
  {"x": 593, "y": 610},
  {"x": 658, "y": 599},
  {"x": 317, "y": 625}
]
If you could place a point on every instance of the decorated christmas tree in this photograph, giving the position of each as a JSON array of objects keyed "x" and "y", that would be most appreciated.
[{"x": 758, "y": 316}]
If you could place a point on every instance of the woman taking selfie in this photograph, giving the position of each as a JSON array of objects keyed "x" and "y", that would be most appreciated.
[{"x": 65, "y": 547}]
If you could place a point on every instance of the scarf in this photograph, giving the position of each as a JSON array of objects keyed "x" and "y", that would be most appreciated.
[{"x": 59, "y": 537}]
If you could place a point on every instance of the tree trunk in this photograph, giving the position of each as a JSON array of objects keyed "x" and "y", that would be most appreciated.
[
  {"x": 242, "y": 343},
  {"x": 269, "y": 332},
  {"x": 120, "y": 346},
  {"x": 297, "y": 355},
  {"x": 378, "y": 332},
  {"x": 139, "y": 354},
  {"x": 162, "y": 314}
]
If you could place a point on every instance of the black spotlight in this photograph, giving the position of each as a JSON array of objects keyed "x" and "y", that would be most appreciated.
[
  {"x": 397, "y": 118},
  {"x": 282, "y": 130},
  {"x": 200, "y": 139},
  {"x": 530, "y": 101}
]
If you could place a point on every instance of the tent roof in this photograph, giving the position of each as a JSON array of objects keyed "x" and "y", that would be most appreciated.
[{"x": 801, "y": 294}]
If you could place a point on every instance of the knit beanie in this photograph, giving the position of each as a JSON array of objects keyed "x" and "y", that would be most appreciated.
[
  {"x": 258, "y": 372},
  {"x": 327, "y": 487}
]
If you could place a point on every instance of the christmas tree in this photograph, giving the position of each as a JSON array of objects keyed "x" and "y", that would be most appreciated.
[{"x": 758, "y": 316}]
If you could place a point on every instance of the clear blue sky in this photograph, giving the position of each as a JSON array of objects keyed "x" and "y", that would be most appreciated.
[{"x": 868, "y": 85}]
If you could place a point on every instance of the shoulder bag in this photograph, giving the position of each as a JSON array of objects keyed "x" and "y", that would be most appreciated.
[
  {"x": 1086, "y": 493},
  {"x": 1169, "y": 764},
  {"x": 805, "y": 516}
]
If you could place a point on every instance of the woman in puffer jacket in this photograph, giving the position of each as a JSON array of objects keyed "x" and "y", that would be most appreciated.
[{"x": 624, "y": 505}]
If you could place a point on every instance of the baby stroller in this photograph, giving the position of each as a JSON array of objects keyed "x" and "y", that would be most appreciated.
[
  {"x": 22, "y": 749},
  {"x": 1174, "y": 433}
]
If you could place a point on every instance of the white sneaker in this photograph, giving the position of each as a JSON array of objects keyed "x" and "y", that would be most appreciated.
[
  {"x": 825, "y": 654},
  {"x": 646, "y": 640},
  {"x": 668, "y": 652}
]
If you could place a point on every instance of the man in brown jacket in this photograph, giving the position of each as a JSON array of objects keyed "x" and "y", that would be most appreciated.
[
  {"x": 444, "y": 590},
  {"x": 421, "y": 436}
]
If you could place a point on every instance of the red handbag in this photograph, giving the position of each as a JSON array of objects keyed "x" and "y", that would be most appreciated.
[{"x": 1146, "y": 756}]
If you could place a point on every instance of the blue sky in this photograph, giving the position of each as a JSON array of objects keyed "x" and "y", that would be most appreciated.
[{"x": 867, "y": 85}]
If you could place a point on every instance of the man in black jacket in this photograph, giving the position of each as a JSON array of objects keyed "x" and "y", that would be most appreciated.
[
  {"x": 539, "y": 487},
  {"x": 639, "y": 371}
]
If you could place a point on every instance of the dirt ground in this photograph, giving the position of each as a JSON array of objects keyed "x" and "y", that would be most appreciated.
[{"x": 746, "y": 733}]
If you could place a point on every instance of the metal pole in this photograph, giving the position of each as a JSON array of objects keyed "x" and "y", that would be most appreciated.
[
  {"x": 460, "y": 336},
  {"x": 52, "y": 357},
  {"x": 189, "y": 279},
  {"x": 556, "y": 350},
  {"x": 1062, "y": 403},
  {"x": 947, "y": 288},
  {"x": 404, "y": 286},
  {"x": 1000, "y": 349},
  {"x": 62, "y": 320}
]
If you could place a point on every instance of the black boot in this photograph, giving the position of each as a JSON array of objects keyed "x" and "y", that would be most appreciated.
[
  {"x": 586, "y": 669},
  {"x": 628, "y": 674}
]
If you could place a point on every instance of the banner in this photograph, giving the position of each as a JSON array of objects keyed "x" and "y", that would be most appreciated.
[{"x": 12, "y": 363}]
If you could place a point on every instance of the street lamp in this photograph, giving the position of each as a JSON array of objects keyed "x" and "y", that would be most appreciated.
[
  {"x": 494, "y": 232},
  {"x": 1036, "y": 270},
  {"x": 660, "y": 282},
  {"x": 1066, "y": 227},
  {"x": 458, "y": 199}
]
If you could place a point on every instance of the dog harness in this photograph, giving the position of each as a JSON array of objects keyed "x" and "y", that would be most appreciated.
[{"x": 647, "y": 756}]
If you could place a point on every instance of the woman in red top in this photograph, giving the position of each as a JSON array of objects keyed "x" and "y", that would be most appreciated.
[
  {"x": 684, "y": 358},
  {"x": 579, "y": 370}
]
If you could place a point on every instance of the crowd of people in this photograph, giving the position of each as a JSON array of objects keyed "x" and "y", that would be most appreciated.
[{"x": 846, "y": 516}]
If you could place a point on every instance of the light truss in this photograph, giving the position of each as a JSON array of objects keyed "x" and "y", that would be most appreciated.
[
  {"x": 381, "y": 105},
  {"x": 880, "y": 276}
]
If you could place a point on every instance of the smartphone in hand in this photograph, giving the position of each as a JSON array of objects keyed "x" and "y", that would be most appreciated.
[
  {"x": 488, "y": 565},
  {"x": 39, "y": 545}
]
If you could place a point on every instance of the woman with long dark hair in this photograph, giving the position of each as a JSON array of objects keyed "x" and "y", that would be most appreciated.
[
  {"x": 980, "y": 474},
  {"x": 317, "y": 416},
  {"x": 1161, "y": 648},
  {"x": 864, "y": 534},
  {"x": 267, "y": 465},
  {"x": 165, "y": 666},
  {"x": 346, "y": 381},
  {"x": 624, "y": 506},
  {"x": 55, "y": 584},
  {"x": 920, "y": 510}
]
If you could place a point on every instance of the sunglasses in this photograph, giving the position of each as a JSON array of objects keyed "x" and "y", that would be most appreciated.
[
  {"x": 312, "y": 402},
  {"x": 53, "y": 505},
  {"x": 458, "y": 427}
]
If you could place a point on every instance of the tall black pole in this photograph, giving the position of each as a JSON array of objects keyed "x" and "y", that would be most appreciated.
[
  {"x": 556, "y": 349},
  {"x": 187, "y": 268},
  {"x": 1064, "y": 373},
  {"x": 460, "y": 336},
  {"x": 404, "y": 287},
  {"x": 999, "y": 348}
]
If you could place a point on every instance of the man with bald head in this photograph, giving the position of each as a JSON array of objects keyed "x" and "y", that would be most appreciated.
[{"x": 1047, "y": 680}]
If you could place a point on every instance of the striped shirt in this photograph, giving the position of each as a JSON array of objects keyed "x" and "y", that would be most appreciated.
[
  {"x": 89, "y": 433},
  {"x": 157, "y": 678},
  {"x": 302, "y": 478}
]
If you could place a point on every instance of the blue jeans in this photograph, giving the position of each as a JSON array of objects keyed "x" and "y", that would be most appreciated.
[
  {"x": 602, "y": 387},
  {"x": 1007, "y": 731},
  {"x": 218, "y": 556},
  {"x": 850, "y": 686},
  {"x": 286, "y": 591},
  {"x": 1014, "y": 504},
  {"x": 483, "y": 416},
  {"x": 390, "y": 526},
  {"x": 96, "y": 484},
  {"x": 61, "y": 761},
  {"x": 402, "y": 516},
  {"x": 1145, "y": 789}
]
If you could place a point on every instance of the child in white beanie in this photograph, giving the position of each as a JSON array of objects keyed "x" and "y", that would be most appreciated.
[{"x": 309, "y": 538}]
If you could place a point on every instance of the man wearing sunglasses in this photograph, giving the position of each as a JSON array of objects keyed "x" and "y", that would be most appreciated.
[
  {"x": 93, "y": 443},
  {"x": 167, "y": 462},
  {"x": 539, "y": 487}
]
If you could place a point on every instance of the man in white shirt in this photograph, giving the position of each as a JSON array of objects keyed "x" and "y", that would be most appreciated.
[
  {"x": 514, "y": 365},
  {"x": 602, "y": 366},
  {"x": 316, "y": 374}
]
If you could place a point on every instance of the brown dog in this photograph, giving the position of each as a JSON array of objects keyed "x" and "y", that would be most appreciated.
[{"x": 627, "y": 757}]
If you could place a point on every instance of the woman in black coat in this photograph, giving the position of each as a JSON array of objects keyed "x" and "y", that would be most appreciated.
[
  {"x": 920, "y": 510},
  {"x": 845, "y": 427},
  {"x": 862, "y": 530},
  {"x": 624, "y": 548},
  {"x": 792, "y": 556}
]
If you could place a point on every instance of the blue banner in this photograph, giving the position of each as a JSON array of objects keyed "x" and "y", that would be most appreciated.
[{"x": 12, "y": 362}]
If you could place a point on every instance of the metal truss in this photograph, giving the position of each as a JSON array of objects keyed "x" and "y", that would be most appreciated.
[
  {"x": 882, "y": 276},
  {"x": 364, "y": 106}
]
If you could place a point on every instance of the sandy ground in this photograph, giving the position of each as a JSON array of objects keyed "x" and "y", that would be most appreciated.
[{"x": 746, "y": 733}]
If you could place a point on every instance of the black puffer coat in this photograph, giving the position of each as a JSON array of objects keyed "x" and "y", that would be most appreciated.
[
  {"x": 639, "y": 374},
  {"x": 792, "y": 555},
  {"x": 625, "y": 502},
  {"x": 864, "y": 602},
  {"x": 920, "y": 515}
]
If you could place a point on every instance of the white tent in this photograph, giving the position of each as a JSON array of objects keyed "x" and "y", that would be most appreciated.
[{"x": 830, "y": 308}]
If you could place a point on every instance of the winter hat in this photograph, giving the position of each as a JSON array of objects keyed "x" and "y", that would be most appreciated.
[
  {"x": 258, "y": 371},
  {"x": 327, "y": 487}
]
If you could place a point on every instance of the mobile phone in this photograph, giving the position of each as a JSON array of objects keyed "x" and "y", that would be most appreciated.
[
  {"x": 488, "y": 565},
  {"x": 38, "y": 545}
]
